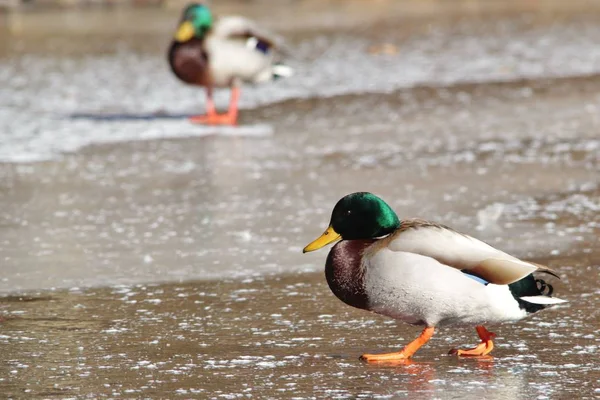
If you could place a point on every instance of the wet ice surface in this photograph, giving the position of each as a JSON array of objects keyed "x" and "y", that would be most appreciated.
[
  {"x": 200, "y": 208},
  {"x": 285, "y": 337},
  {"x": 223, "y": 214}
]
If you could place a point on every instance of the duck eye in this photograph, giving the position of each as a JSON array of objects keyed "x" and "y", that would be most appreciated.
[{"x": 348, "y": 212}]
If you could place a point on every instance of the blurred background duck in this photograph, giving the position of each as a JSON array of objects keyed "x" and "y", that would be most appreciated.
[{"x": 223, "y": 53}]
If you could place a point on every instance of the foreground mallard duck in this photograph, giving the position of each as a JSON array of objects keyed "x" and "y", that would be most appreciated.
[
  {"x": 425, "y": 274},
  {"x": 222, "y": 54}
]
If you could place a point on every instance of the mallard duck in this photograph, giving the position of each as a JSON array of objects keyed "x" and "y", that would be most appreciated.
[
  {"x": 222, "y": 53},
  {"x": 425, "y": 274}
]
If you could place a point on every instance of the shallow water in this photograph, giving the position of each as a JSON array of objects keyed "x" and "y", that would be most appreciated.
[{"x": 485, "y": 119}]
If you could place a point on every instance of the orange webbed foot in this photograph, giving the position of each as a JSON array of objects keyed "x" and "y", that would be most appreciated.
[
  {"x": 403, "y": 356},
  {"x": 214, "y": 119},
  {"x": 484, "y": 348},
  {"x": 396, "y": 357}
]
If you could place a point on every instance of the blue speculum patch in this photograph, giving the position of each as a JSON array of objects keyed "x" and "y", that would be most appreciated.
[
  {"x": 475, "y": 278},
  {"x": 262, "y": 46}
]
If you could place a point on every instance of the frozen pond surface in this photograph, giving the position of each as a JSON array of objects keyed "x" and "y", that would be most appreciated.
[
  {"x": 285, "y": 337},
  {"x": 162, "y": 259}
]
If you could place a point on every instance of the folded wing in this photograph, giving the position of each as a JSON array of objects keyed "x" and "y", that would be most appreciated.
[
  {"x": 233, "y": 27},
  {"x": 460, "y": 251}
]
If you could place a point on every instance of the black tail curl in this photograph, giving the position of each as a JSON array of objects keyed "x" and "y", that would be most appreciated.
[
  {"x": 544, "y": 288},
  {"x": 531, "y": 286}
]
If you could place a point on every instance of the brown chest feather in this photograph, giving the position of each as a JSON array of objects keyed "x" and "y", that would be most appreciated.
[
  {"x": 189, "y": 62},
  {"x": 344, "y": 272}
]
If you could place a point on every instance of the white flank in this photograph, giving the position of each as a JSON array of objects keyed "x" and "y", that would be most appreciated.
[
  {"x": 251, "y": 43},
  {"x": 415, "y": 288}
]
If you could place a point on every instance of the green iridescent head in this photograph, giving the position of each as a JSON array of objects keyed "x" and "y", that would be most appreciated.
[
  {"x": 195, "y": 22},
  {"x": 360, "y": 215}
]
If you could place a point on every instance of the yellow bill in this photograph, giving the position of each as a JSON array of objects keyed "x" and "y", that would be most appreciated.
[
  {"x": 185, "y": 32},
  {"x": 329, "y": 236}
]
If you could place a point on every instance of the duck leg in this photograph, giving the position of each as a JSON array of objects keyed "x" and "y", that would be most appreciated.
[
  {"x": 405, "y": 353},
  {"x": 484, "y": 348},
  {"x": 212, "y": 117},
  {"x": 232, "y": 113}
]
